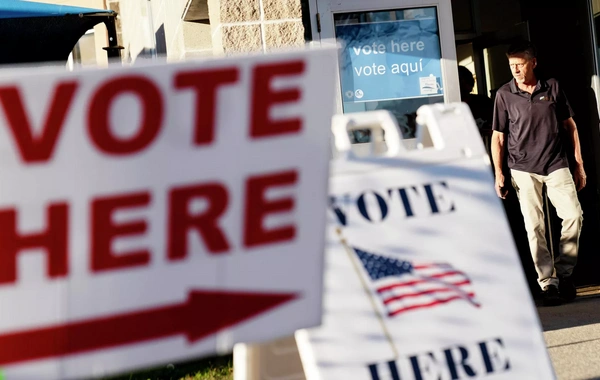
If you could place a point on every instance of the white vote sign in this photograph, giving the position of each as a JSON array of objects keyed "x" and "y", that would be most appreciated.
[
  {"x": 160, "y": 213},
  {"x": 423, "y": 280}
]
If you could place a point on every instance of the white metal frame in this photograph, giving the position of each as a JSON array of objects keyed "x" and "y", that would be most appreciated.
[
  {"x": 327, "y": 8},
  {"x": 313, "y": 10}
]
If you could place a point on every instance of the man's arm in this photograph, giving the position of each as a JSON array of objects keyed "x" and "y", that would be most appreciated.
[
  {"x": 500, "y": 127},
  {"x": 579, "y": 173},
  {"x": 498, "y": 158}
]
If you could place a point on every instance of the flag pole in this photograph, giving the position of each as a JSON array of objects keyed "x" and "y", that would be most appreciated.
[{"x": 368, "y": 291}]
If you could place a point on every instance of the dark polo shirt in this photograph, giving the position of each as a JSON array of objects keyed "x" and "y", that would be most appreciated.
[{"x": 532, "y": 126}]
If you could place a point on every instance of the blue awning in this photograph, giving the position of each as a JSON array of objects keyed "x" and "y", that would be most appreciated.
[
  {"x": 38, "y": 32},
  {"x": 26, "y": 9}
]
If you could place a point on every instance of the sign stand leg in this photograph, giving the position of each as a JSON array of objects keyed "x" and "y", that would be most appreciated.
[{"x": 275, "y": 360}]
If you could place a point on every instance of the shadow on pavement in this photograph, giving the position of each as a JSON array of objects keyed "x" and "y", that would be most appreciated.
[{"x": 581, "y": 312}]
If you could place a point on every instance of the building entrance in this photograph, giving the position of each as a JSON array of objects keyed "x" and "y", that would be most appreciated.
[
  {"x": 476, "y": 36},
  {"x": 564, "y": 35}
]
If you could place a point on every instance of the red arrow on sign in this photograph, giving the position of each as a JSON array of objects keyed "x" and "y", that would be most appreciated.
[{"x": 203, "y": 314}]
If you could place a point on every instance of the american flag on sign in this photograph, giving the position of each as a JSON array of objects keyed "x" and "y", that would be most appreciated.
[{"x": 404, "y": 286}]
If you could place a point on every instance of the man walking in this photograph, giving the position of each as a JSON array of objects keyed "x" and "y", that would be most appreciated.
[{"x": 529, "y": 114}]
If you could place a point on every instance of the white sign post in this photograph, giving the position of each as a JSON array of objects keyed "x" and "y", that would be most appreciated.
[
  {"x": 423, "y": 280},
  {"x": 160, "y": 213}
]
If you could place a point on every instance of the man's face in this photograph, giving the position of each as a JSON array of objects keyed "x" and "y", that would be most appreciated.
[{"x": 521, "y": 67}]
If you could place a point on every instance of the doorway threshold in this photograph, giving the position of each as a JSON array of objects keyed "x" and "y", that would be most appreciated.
[{"x": 588, "y": 291}]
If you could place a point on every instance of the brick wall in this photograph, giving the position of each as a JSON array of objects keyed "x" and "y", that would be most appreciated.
[
  {"x": 251, "y": 25},
  {"x": 175, "y": 38},
  {"x": 232, "y": 26}
]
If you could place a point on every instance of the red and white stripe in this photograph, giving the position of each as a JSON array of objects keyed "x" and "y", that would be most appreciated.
[{"x": 429, "y": 285}]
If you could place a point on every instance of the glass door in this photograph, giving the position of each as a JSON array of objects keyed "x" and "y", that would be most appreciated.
[
  {"x": 392, "y": 58},
  {"x": 595, "y": 11}
]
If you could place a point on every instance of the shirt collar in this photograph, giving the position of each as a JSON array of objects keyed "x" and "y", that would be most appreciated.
[{"x": 541, "y": 84}]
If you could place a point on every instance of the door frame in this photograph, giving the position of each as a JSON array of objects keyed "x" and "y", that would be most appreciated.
[
  {"x": 326, "y": 33},
  {"x": 505, "y": 36}
]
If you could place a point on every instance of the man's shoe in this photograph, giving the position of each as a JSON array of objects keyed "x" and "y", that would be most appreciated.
[
  {"x": 551, "y": 297},
  {"x": 566, "y": 288}
]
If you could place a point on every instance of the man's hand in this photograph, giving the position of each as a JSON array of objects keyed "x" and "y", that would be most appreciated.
[
  {"x": 500, "y": 189},
  {"x": 578, "y": 172},
  {"x": 579, "y": 177}
]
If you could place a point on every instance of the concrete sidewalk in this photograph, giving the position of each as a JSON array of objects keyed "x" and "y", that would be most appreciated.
[{"x": 572, "y": 334}]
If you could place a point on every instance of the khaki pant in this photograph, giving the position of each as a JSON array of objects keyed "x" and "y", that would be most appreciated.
[{"x": 563, "y": 195}]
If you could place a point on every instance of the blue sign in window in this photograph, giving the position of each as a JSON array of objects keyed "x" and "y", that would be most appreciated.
[{"x": 390, "y": 60}]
